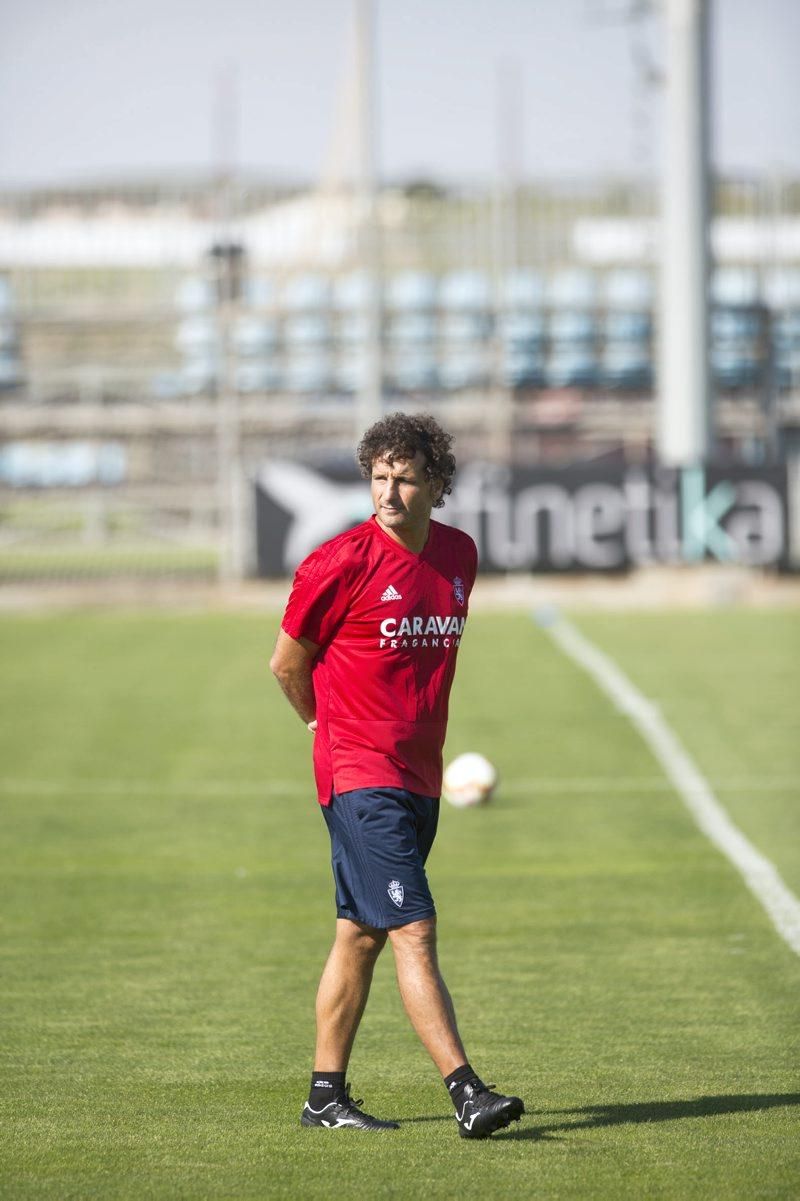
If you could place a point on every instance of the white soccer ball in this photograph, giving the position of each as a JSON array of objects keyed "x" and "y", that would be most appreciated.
[{"x": 469, "y": 780}]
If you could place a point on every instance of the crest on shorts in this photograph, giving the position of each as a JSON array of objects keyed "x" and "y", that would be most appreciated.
[
  {"x": 395, "y": 891},
  {"x": 458, "y": 589}
]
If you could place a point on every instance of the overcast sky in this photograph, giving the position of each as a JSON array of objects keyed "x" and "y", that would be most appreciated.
[{"x": 93, "y": 89}]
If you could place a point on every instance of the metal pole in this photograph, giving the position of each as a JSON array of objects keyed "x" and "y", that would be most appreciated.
[
  {"x": 232, "y": 492},
  {"x": 369, "y": 404},
  {"x": 505, "y": 252},
  {"x": 683, "y": 434},
  {"x": 229, "y": 270}
]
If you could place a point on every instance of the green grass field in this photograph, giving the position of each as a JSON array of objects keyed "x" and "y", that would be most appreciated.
[{"x": 167, "y": 907}]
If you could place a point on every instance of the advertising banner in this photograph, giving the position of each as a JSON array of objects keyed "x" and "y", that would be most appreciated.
[{"x": 582, "y": 518}]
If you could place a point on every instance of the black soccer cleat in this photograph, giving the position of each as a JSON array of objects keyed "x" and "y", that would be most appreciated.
[
  {"x": 338, "y": 1115},
  {"x": 482, "y": 1111}
]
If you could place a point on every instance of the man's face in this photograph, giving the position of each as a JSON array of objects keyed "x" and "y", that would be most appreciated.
[{"x": 402, "y": 495}]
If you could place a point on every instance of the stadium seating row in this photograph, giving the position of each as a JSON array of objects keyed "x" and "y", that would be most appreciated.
[
  {"x": 11, "y": 373},
  {"x": 476, "y": 291},
  {"x": 559, "y": 348}
]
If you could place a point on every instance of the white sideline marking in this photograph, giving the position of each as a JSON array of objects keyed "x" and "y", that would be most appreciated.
[{"x": 758, "y": 873}]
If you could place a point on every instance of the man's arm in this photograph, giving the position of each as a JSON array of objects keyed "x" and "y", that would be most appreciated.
[{"x": 291, "y": 665}]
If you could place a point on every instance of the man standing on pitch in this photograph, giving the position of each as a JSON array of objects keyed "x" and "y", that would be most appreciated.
[{"x": 366, "y": 655}]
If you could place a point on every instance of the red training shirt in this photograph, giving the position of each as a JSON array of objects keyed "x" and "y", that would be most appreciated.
[{"x": 388, "y": 624}]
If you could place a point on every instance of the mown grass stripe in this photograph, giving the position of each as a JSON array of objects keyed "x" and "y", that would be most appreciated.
[{"x": 512, "y": 786}]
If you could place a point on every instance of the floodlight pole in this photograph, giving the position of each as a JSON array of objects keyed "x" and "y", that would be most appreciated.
[
  {"x": 369, "y": 404},
  {"x": 228, "y": 256},
  {"x": 683, "y": 430},
  {"x": 505, "y": 245}
]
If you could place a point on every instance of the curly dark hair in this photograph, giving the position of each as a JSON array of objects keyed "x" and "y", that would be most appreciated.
[{"x": 400, "y": 436}]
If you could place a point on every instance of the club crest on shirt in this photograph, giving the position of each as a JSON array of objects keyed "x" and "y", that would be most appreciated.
[
  {"x": 458, "y": 589},
  {"x": 395, "y": 891}
]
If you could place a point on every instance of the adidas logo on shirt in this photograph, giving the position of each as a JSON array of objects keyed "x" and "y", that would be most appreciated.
[{"x": 391, "y": 594}]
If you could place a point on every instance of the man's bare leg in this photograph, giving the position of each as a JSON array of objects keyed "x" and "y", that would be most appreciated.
[
  {"x": 343, "y": 992},
  {"x": 425, "y": 996},
  {"x": 479, "y": 1111}
]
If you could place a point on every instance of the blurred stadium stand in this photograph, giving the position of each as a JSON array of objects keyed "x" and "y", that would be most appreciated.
[{"x": 116, "y": 345}]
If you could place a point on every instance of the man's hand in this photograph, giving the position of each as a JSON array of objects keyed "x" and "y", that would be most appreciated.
[{"x": 291, "y": 665}]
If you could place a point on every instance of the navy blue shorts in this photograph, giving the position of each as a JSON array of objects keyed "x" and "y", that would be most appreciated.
[{"x": 380, "y": 839}]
